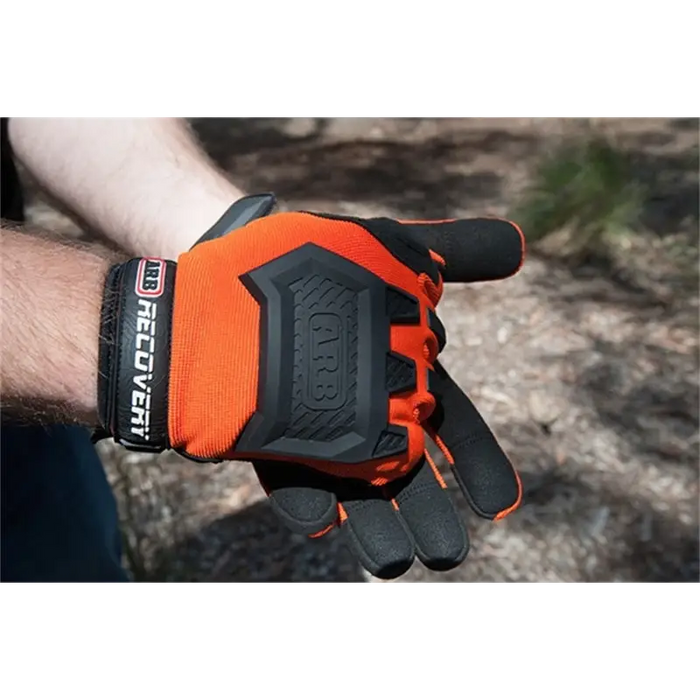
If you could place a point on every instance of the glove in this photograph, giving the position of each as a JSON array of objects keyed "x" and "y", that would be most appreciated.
[
  {"x": 298, "y": 338},
  {"x": 387, "y": 525}
]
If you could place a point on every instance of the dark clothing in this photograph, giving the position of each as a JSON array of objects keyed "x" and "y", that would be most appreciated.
[
  {"x": 11, "y": 201},
  {"x": 59, "y": 517}
]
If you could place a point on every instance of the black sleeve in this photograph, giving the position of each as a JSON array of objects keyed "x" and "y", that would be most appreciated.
[{"x": 11, "y": 200}]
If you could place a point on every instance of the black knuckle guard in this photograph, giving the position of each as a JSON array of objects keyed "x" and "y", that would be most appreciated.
[{"x": 326, "y": 372}]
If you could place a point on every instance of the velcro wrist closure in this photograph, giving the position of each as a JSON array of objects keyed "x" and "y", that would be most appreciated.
[{"x": 134, "y": 356}]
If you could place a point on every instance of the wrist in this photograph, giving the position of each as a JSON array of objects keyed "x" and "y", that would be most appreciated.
[
  {"x": 79, "y": 389},
  {"x": 189, "y": 213},
  {"x": 134, "y": 352}
]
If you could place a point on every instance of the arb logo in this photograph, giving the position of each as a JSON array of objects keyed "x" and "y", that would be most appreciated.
[
  {"x": 150, "y": 278},
  {"x": 326, "y": 348}
]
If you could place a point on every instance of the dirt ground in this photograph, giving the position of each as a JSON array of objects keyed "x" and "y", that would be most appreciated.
[{"x": 587, "y": 375}]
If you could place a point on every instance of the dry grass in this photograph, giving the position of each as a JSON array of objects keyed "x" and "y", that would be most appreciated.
[{"x": 582, "y": 197}]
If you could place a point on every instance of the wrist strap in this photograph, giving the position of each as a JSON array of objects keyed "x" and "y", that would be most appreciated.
[{"x": 134, "y": 356}]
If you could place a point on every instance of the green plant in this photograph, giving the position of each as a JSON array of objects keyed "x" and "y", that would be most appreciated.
[{"x": 582, "y": 196}]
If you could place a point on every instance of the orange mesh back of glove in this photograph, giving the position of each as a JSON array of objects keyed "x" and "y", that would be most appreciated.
[{"x": 215, "y": 351}]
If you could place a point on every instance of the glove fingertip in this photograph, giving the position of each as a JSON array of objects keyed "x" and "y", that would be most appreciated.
[
  {"x": 507, "y": 511},
  {"x": 488, "y": 479},
  {"x": 523, "y": 245},
  {"x": 301, "y": 498},
  {"x": 377, "y": 536},
  {"x": 305, "y": 511},
  {"x": 425, "y": 505},
  {"x": 485, "y": 474},
  {"x": 393, "y": 565},
  {"x": 497, "y": 250},
  {"x": 322, "y": 532},
  {"x": 479, "y": 250}
]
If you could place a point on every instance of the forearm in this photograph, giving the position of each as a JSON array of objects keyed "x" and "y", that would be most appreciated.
[
  {"x": 51, "y": 297},
  {"x": 144, "y": 183}
]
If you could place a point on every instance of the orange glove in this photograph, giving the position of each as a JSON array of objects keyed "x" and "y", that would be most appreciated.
[
  {"x": 307, "y": 344},
  {"x": 300, "y": 336}
]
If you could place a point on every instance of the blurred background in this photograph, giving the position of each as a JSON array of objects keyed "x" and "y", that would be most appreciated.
[{"x": 585, "y": 364}]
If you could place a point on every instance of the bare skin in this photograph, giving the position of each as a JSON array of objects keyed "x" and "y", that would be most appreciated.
[
  {"x": 143, "y": 183},
  {"x": 50, "y": 309}
]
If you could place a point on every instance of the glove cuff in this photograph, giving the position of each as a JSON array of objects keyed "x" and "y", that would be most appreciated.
[{"x": 134, "y": 353}]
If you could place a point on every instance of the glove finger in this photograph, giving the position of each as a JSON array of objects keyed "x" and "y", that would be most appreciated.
[
  {"x": 482, "y": 469},
  {"x": 302, "y": 498},
  {"x": 475, "y": 250},
  {"x": 426, "y": 507},
  {"x": 306, "y": 501},
  {"x": 374, "y": 530}
]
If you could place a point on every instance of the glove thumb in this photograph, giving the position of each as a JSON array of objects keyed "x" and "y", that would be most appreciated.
[
  {"x": 240, "y": 213},
  {"x": 474, "y": 250}
]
